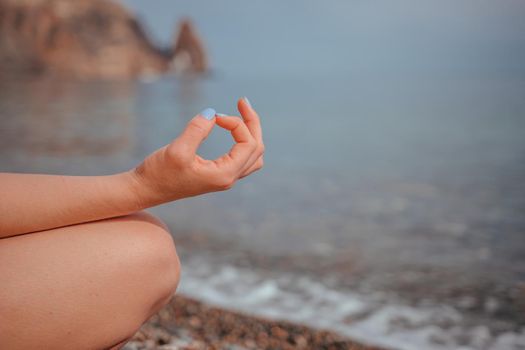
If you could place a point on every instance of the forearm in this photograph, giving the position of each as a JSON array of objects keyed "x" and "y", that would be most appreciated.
[{"x": 30, "y": 202}]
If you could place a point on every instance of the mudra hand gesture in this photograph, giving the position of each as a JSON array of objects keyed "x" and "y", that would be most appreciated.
[{"x": 177, "y": 171}]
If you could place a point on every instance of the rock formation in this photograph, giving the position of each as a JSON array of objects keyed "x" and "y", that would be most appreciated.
[
  {"x": 88, "y": 39},
  {"x": 188, "y": 51}
]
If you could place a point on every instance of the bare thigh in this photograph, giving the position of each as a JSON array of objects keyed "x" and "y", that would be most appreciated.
[{"x": 87, "y": 286}]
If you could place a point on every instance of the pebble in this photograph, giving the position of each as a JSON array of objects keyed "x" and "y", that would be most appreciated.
[{"x": 187, "y": 324}]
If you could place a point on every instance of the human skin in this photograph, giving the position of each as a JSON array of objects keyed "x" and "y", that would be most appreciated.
[
  {"x": 81, "y": 265},
  {"x": 39, "y": 202}
]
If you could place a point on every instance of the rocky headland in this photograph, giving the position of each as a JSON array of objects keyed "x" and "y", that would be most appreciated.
[{"x": 89, "y": 39}]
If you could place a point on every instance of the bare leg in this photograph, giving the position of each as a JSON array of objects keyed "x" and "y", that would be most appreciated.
[{"x": 87, "y": 286}]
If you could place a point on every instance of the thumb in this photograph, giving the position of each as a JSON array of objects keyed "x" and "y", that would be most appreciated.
[{"x": 198, "y": 128}]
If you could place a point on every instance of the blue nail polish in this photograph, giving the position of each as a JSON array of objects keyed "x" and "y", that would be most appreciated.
[
  {"x": 221, "y": 115},
  {"x": 247, "y": 102},
  {"x": 208, "y": 113}
]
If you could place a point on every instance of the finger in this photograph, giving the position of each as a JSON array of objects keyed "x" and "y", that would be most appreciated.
[
  {"x": 256, "y": 155},
  {"x": 254, "y": 167},
  {"x": 239, "y": 130},
  {"x": 196, "y": 131},
  {"x": 259, "y": 150},
  {"x": 254, "y": 125},
  {"x": 250, "y": 118},
  {"x": 244, "y": 145}
]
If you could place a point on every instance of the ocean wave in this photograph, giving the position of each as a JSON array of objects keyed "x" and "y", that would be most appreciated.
[{"x": 374, "y": 318}]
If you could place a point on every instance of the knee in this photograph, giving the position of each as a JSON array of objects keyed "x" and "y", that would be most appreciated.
[{"x": 153, "y": 257}]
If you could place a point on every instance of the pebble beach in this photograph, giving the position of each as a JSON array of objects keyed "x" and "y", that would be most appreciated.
[{"x": 187, "y": 324}]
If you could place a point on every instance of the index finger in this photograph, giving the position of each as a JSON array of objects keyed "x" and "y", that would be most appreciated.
[{"x": 244, "y": 145}]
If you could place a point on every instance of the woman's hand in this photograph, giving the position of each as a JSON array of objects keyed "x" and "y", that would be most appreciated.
[
  {"x": 172, "y": 172},
  {"x": 176, "y": 171}
]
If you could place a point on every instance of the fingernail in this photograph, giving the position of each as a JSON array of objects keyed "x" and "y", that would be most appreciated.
[
  {"x": 221, "y": 115},
  {"x": 247, "y": 102},
  {"x": 208, "y": 113}
]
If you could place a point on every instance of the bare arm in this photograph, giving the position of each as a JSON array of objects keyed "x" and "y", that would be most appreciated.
[{"x": 30, "y": 202}]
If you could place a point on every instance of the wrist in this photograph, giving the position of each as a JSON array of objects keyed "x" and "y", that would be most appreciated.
[{"x": 136, "y": 189}]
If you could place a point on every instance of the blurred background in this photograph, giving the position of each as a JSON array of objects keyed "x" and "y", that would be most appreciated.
[{"x": 392, "y": 203}]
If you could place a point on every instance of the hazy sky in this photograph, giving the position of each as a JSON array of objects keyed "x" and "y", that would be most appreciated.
[{"x": 472, "y": 38}]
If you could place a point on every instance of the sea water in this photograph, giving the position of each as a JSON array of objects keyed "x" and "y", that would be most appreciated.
[{"x": 391, "y": 206}]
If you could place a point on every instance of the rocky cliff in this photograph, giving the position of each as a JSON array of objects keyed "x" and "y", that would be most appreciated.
[
  {"x": 188, "y": 50},
  {"x": 88, "y": 39}
]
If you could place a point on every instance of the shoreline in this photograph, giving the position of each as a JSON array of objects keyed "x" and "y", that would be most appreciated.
[{"x": 185, "y": 323}]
